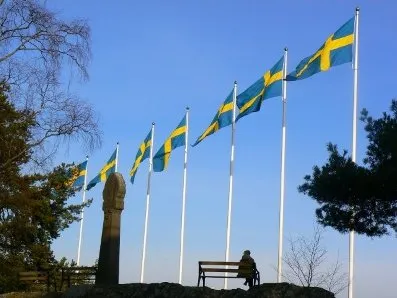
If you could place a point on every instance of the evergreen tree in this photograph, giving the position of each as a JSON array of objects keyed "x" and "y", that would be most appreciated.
[
  {"x": 355, "y": 197},
  {"x": 34, "y": 207}
]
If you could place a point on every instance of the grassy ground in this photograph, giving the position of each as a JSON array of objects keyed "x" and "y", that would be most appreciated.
[{"x": 31, "y": 295}]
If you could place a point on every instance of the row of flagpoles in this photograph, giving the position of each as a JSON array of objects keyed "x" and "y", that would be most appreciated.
[{"x": 337, "y": 49}]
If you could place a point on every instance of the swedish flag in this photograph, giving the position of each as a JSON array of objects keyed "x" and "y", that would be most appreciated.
[
  {"x": 142, "y": 154},
  {"x": 223, "y": 117},
  {"x": 77, "y": 175},
  {"x": 336, "y": 50},
  {"x": 175, "y": 140},
  {"x": 108, "y": 168},
  {"x": 270, "y": 85}
]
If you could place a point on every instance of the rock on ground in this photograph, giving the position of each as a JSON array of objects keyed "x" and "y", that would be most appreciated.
[{"x": 171, "y": 290}]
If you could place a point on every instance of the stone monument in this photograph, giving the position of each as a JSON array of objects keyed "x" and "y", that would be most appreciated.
[{"x": 109, "y": 253}]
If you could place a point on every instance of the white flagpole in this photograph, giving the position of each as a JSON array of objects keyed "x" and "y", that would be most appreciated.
[
  {"x": 183, "y": 199},
  {"x": 229, "y": 213},
  {"x": 282, "y": 178},
  {"x": 147, "y": 205},
  {"x": 354, "y": 146},
  {"x": 82, "y": 214},
  {"x": 117, "y": 156}
]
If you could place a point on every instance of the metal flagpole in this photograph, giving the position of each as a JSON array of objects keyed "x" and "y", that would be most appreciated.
[
  {"x": 117, "y": 156},
  {"x": 229, "y": 213},
  {"x": 282, "y": 178},
  {"x": 183, "y": 199},
  {"x": 354, "y": 146},
  {"x": 147, "y": 205},
  {"x": 82, "y": 215}
]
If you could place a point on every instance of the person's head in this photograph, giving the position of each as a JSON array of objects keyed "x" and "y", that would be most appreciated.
[{"x": 247, "y": 252}]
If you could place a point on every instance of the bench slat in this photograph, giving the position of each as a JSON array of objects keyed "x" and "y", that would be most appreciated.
[
  {"x": 81, "y": 272},
  {"x": 28, "y": 278},
  {"x": 83, "y": 268},
  {"x": 80, "y": 269},
  {"x": 225, "y": 270},
  {"x": 32, "y": 273},
  {"x": 222, "y": 276},
  {"x": 220, "y": 263}
]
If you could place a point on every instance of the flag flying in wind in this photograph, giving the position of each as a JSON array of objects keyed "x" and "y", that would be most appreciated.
[
  {"x": 108, "y": 168},
  {"x": 142, "y": 154},
  {"x": 223, "y": 117},
  {"x": 336, "y": 50},
  {"x": 77, "y": 174},
  {"x": 175, "y": 140},
  {"x": 270, "y": 85}
]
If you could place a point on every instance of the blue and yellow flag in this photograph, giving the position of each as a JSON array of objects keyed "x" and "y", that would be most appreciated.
[
  {"x": 77, "y": 175},
  {"x": 142, "y": 154},
  {"x": 108, "y": 168},
  {"x": 175, "y": 140},
  {"x": 223, "y": 117},
  {"x": 336, "y": 50},
  {"x": 270, "y": 85}
]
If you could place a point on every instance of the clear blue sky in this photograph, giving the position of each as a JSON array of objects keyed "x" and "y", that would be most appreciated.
[{"x": 151, "y": 59}]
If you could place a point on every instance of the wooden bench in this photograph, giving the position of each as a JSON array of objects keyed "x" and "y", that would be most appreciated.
[
  {"x": 222, "y": 267},
  {"x": 30, "y": 277},
  {"x": 79, "y": 275}
]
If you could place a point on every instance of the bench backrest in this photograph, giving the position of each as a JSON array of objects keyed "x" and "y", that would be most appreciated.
[
  {"x": 214, "y": 266},
  {"x": 80, "y": 270},
  {"x": 33, "y": 276},
  {"x": 79, "y": 273},
  {"x": 216, "y": 263}
]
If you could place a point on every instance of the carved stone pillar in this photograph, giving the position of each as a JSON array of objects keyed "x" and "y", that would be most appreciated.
[{"x": 109, "y": 254}]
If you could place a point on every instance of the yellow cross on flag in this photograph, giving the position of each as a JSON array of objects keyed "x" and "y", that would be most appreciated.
[{"x": 336, "y": 50}]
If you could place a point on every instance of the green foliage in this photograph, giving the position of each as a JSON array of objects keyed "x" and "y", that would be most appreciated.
[
  {"x": 14, "y": 135},
  {"x": 354, "y": 197},
  {"x": 10, "y": 265},
  {"x": 34, "y": 207}
]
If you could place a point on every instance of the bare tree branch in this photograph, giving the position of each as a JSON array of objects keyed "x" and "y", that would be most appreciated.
[
  {"x": 35, "y": 44},
  {"x": 306, "y": 264}
]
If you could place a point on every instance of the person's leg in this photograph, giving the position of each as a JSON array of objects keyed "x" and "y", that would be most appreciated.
[{"x": 250, "y": 282}]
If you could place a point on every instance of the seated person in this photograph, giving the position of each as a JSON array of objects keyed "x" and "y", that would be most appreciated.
[{"x": 246, "y": 258}]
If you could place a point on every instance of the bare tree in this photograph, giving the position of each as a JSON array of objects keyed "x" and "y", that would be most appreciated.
[
  {"x": 35, "y": 45},
  {"x": 306, "y": 262}
]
